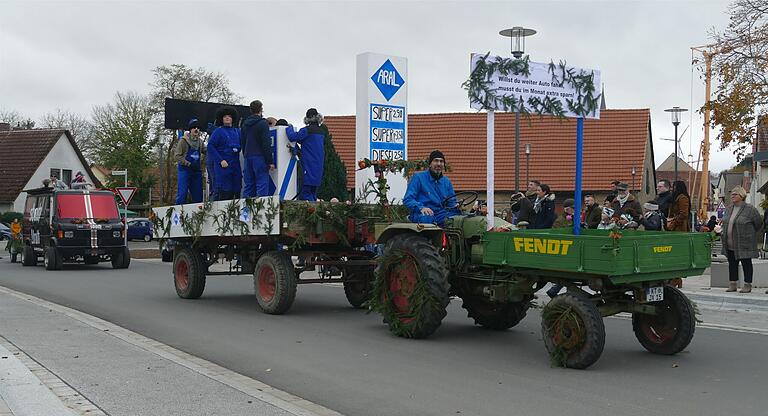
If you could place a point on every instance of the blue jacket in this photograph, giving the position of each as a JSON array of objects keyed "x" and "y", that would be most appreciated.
[
  {"x": 224, "y": 144},
  {"x": 312, "y": 139},
  {"x": 425, "y": 191},
  {"x": 255, "y": 139}
]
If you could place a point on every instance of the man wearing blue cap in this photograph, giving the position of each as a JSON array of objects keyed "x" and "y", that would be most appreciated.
[
  {"x": 312, "y": 141},
  {"x": 187, "y": 154}
]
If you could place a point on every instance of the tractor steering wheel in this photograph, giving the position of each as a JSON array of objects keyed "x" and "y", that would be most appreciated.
[{"x": 463, "y": 198}]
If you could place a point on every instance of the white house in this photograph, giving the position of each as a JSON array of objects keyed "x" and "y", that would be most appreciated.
[{"x": 29, "y": 156}]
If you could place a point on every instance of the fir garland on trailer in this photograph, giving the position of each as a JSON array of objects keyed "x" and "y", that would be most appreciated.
[
  {"x": 480, "y": 88},
  {"x": 566, "y": 329}
]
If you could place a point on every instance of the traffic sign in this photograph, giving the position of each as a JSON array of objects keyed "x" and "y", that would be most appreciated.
[
  {"x": 119, "y": 172},
  {"x": 126, "y": 193}
]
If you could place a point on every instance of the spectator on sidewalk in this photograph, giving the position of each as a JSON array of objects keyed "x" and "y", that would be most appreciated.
[{"x": 741, "y": 227}]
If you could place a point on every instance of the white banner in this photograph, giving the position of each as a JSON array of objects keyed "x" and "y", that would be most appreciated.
[{"x": 548, "y": 87}]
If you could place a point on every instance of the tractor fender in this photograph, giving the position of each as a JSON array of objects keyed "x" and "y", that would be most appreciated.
[{"x": 429, "y": 231}]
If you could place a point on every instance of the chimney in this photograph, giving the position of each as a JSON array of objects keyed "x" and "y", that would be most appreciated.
[{"x": 5, "y": 126}]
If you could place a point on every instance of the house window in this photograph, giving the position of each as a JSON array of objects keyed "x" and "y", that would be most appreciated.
[
  {"x": 67, "y": 176},
  {"x": 56, "y": 172}
]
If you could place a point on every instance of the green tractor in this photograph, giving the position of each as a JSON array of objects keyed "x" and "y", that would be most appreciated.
[{"x": 496, "y": 275}]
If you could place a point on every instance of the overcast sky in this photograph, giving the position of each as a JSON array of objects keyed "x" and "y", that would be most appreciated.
[{"x": 292, "y": 55}]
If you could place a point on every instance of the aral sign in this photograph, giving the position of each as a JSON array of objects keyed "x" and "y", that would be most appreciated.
[{"x": 382, "y": 117}]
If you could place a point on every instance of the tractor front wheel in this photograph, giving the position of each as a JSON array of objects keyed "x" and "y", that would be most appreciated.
[
  {"x": 411, "y": 286},
  {"x": 573, "y": 331},
  {"x": 671, "y": 329},
  {"x": 496, "y": 316}
]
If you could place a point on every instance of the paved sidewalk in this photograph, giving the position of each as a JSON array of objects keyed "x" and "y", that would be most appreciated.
[{"x": 58, "y": 361}]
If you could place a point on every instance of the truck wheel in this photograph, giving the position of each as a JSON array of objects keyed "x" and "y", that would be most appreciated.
[
  {"x": 188, "y": 274},
  {"x": 121, "y": 259},
  {"x": 52, "y": 259},
  {"x": 414, "y": 286},
  {"x": 166, "y": 255},
  {"x": 274, "y": 281},
  {"x": 496, "y": 316},
  {"x": 573, "y": 331},
  {"x": 28, "y": 256},
  {"x": 359, "y": 290},
  {"x": 671, "y": 329}
]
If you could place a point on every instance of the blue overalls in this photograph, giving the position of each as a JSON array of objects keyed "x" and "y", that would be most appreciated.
[
  {"x": 312, "y": 139},
  {"x": 224, "y": 144},
  {"x": 424, "y": 191},
  {"x": 190, "y": 178}
]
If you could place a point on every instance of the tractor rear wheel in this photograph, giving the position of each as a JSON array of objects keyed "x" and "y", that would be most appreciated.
[
  {"x": 358, "y": 282},
  {"x": 573, "y": 331},
  {"x": 274, "y": 281},
  {"x": 413, "y": 286},
  {"x": 496, "y": 316},
  {"x": 188, "y": 274},
  {"x": 671, "y": 329}
]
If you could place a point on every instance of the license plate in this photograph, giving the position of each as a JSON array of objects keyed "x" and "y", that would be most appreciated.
[{"x": 654, "y": 294}]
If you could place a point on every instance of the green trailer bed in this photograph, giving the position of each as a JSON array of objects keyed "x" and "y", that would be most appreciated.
[{"x": 625, "y": 257}]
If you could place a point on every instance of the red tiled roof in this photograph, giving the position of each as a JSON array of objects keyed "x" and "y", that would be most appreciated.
[
  {"x": 612, "y": 145},
  {"x": 22, "y": 153}
]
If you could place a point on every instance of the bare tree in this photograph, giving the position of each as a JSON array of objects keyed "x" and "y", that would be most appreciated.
[
  {"x": 79, "y": 126},
  {"x": 16, "y": 120}
]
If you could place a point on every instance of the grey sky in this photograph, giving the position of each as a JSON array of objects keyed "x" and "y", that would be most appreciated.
[{"x": 292, "y": 55}]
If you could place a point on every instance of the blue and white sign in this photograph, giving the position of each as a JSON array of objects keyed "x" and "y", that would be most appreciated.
[{"x": 382, "y": 117}]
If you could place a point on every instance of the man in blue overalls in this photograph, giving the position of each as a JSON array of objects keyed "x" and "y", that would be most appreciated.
[
  {"x": 257, "y": 151},
  {"x": 187, "y": 154},
  {"x": 426, "y": 192},
  {"x": 312, "y": 140},
  {"x": 224, "y": 152}
]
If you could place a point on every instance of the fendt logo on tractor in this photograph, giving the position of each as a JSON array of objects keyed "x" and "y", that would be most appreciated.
[
  {"x": 542, "y": 245},
  {"x": 662, "y": 249}
]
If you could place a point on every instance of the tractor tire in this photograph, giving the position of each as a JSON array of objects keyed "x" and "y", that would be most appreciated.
[
  {"x": 359, "y": 290},
  {"x": 122, "y": 259},
  {"x": 572, "y": 326},
  {"x": 188, "y": 274},
  {"x": 52, "y": 259},
  {"x": 28, "y": 256},
  {"x": 166, "y": 255},
  {"x": 274, "y": 282},
  {"x": 496, "y": 316},
  {"x": 671, "y": 329},
  {"x": 408, "y": 262}
]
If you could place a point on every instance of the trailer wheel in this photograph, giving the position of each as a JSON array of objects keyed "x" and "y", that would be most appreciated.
[
  {"x": 358, "y": 290},
  {"x": 121, "y": 259},
  {"x": 28, "y": 256},
  {"x": 274, "y": 282},
  {"x": 573, "y": 331},
  {"x": 671, "y": 329},
  {"x": 52, "y": 259},
  {"x": 414, "y": 286},
  {"x": 188, "y": 274},
  {"x": 496, "y": 316}
]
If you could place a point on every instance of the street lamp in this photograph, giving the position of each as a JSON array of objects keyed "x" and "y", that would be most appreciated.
[
  {"x": 675, "y": 111},
  {"x": 517, "y": 37},
  {"x": 527, "y": 160},
  {"x": 633, "y": 177}
]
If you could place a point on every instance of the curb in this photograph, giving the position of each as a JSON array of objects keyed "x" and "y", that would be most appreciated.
[{"x": 736, "y": 302}]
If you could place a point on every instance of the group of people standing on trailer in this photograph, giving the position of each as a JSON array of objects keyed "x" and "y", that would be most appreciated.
[{"x": 227, "y": 178}]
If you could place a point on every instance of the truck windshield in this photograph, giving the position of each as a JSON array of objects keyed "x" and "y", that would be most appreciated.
[{"x": 86, "y": 206}]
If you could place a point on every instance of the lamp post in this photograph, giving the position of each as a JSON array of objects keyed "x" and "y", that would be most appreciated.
[
  {"x": 517, "y": 37},
  {"x": 634, "y": 172},
  {"x": 527, "y": 160},
  {"x": 675, "y": 112}
]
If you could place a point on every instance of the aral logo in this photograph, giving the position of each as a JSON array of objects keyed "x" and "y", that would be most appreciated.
[{"x": 387, "y": 80}]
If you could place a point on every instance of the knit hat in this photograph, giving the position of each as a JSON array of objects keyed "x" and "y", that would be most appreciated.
[
  {"x": 282, "y": 122},
  {"x": 650, "y": 206},
  {"x": 436, "y": 154},
  {"x": 568, "y": 203},
  {"x": 193, "y": 124},
  {"x": 226, "y": 111},
  {"x": 622, "y": 187},
  {"x": 311, "y": 112}
]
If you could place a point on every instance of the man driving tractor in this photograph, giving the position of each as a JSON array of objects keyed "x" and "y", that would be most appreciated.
[{"x": 430, "y": 196}]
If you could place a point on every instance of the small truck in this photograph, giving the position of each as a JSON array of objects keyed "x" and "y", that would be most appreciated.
[{"x": 409, "y": 272}]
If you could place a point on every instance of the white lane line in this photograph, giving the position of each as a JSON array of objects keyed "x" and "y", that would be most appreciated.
[{"x": 283, "y": 400}]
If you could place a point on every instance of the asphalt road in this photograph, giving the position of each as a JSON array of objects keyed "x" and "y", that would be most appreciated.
[{"x": 346, "y": 360}]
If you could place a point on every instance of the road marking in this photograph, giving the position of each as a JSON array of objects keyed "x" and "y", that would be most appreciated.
[{"x": 283, "y": 400}]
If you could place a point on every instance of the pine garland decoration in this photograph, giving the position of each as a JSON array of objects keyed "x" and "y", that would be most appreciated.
[{"x": 559, "y": 317}]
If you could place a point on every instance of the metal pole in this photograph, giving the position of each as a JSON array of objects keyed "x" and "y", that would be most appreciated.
[
  {"x": 675, "y": 151},
  {"x": 527, "y": 163},
  {"x": 577, "y": 187},
  {"x": 489, "y": 170},
  {"x": 517, "y": 151},
  {"x": 125, "y": 213}
]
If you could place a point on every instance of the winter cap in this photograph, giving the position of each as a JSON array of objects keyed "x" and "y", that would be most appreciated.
[
  {"x": 226, "y": 111},
  {"x": 622, "y": 186},
  {"x": 568, "y": 203},
  {"x": 311, "y": 112},
  {"x": 193, "y": 124},
  {"x": 650, "y": 206},
  {"x": 739, "y": 191},
  {"x": 615, "y": 182},
  {"x": 436, "y": 154},
  {"x": 282, "y": 122}
]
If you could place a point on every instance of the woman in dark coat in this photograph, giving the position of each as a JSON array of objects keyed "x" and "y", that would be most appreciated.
[
  {"x": 741, "y": 226},
  {"x": 544, "y": 207},
  {"x": 678, "y": 217}
]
